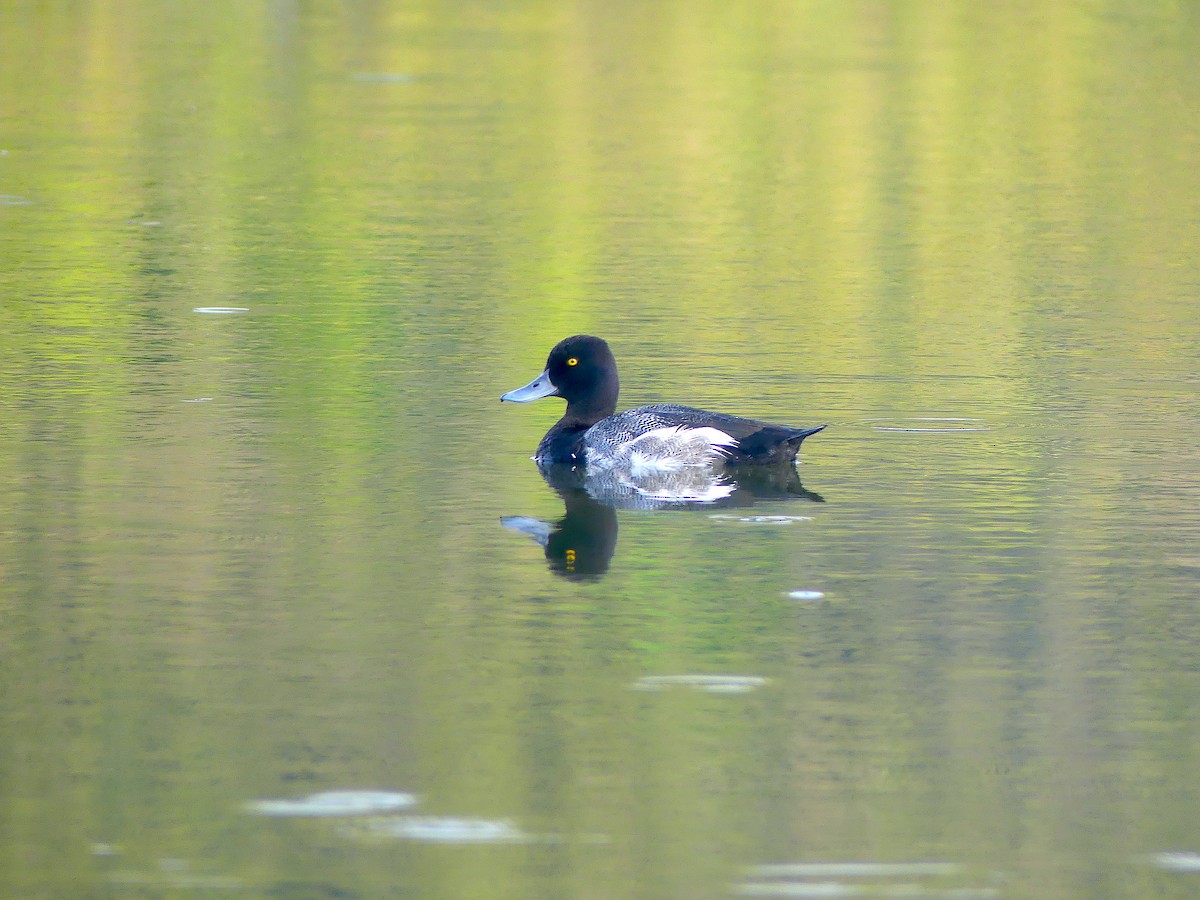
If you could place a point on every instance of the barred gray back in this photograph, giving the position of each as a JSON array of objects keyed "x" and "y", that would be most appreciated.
[{"x": 605, "y": 437}]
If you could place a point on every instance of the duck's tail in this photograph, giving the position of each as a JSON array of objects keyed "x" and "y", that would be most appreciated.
[
  {"x": 800, "y": 434},
  {"x": 793, "y": 443},
  {"x": 771, "y": 445}
]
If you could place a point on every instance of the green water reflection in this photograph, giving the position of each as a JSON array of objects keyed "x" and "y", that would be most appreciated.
[{"x": 259, "y": 556}]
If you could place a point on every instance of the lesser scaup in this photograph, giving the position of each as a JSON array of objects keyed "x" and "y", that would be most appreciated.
[{"x": 583, "y": 371}]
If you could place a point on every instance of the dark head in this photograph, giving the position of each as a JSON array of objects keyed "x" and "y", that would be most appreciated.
[{"x": 581, "y": 370}]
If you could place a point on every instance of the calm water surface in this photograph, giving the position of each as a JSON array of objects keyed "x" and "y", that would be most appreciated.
[{"x": 288, "y": 612}]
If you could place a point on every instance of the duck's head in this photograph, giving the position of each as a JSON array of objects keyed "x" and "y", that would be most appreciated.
[{"x": 581, "y": 370}]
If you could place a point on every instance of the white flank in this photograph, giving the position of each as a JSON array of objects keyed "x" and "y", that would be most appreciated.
[{"x": 676, "y": 447}]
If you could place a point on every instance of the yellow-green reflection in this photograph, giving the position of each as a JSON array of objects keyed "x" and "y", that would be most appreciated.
[{"x": 814, "y": 211}]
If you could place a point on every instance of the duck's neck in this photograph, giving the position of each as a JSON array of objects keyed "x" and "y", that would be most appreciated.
[
  {"x": 564, "y": 442},
  {"x": 599, "y": 404}
]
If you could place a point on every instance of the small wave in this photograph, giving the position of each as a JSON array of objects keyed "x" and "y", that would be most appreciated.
[
  {"x": 437, "y": 829},
  {"x": 761, "y": 520},
  {"x": 334, "y": 803},
  {"x": 712, "y": 684},
  {"x": 1175, "y": 861},
  {"x": 944, "y": 424}
]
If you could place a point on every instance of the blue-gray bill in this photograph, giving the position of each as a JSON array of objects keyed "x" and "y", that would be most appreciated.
[{"x": 537, "y": 389}]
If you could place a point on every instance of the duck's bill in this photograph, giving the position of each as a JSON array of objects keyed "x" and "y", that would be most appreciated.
[{"x": 537, "y": 389}]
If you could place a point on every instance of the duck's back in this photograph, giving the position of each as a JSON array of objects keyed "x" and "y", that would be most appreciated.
[{"x": 751, "y": 441}]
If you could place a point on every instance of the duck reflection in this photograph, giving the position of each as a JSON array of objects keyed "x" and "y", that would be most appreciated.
[{"x": 581, "y": 544}]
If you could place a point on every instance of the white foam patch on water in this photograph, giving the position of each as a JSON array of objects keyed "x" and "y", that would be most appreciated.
[
  {"x": 383, "y": 77},
  {"x": 854, "y": 870},
  {"x": 221, "y": 310},
  {"x": 864, "y": 879},
  {"x": 438, "y": 829},
  {"x": 334, "y": 803},
  {"x": 761, "y": 520},
  {"x": 797, "y": 889},
  {"x": 199, "y": 400},
  {"x": 806, "y": 595},
  {"x": 713, "y": 684},
  {"x": 809, "y": 889},
  {"x": 1176, "y": 862}
]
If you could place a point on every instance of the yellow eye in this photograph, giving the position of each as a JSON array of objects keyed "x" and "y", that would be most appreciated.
[{"x": 572, "y": 361}]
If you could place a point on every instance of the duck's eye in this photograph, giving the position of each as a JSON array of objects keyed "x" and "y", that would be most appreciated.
[{"x": 572, "y": 361}]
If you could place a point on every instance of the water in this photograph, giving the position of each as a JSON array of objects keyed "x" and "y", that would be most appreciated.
[{"x": 295, "y": 552}]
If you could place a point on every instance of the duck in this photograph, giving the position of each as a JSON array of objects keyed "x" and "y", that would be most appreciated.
[{"x": 663, "y": 437}]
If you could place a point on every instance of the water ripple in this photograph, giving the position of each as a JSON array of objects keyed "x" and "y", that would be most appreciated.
[
  {"x": 948, "y": 424},
  {"x": 334, "y": 803},
  {"x": 761, "y": 520},
  {"x": 864, "y": 879},
  {"x": 1176, "y": 861},
  {"x": 712, "y": 684},
  {"x": 438, "y": 829}
]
